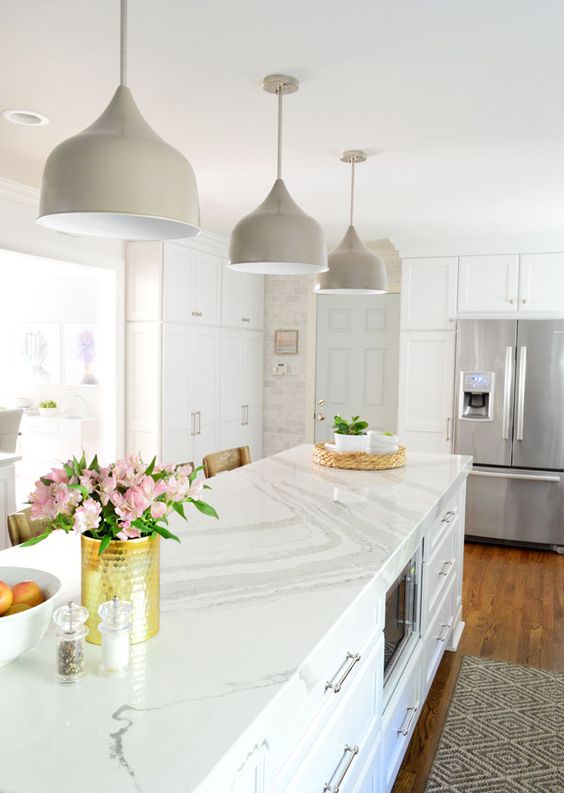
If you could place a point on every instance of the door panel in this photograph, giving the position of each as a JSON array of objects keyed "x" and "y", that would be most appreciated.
[
  {"x": 357, "y": 360},
  {"x": 488, "y": 283},
  {"x": 428, "y": 293},
  {"x": 515, "y": 505},
  {"x": 541, "y": 282},
  {"x": 487, "y": 346},
  {"x": 538, "y": 409},
  {"x": 178, "y": 419},
  {"x": 205, "y": 389}
]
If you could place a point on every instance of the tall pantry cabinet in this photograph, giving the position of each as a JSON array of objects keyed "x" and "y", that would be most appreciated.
[{"x": 194, "y": 351}]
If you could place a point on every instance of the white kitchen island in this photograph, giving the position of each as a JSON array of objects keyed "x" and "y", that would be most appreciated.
[
  {"x": 7, "y": 495},
  {"x": 259, "y": 611}
]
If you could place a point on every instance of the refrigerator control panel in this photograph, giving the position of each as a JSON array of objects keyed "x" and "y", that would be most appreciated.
[{"x": 478, "y": 381}]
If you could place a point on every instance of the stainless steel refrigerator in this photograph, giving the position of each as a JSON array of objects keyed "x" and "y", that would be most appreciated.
[{"x": 509, "y": 415}]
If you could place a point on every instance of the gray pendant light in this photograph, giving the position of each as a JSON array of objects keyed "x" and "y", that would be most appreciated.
[
  {"x": 353, "y": 268},
  {"x": 278, "y": 238},
  {"x": 118, "y": 178}
]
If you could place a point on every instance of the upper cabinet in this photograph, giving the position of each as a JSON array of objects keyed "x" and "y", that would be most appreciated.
[
  {"x": 191, "y": 285},
  {"x": 242, "y": 304},
  {"x": 488, "y": 283},
  {"x": 428, "y": 293},
  {"x": 541, "y": 283}
]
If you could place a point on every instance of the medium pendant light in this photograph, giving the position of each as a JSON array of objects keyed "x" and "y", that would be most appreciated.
[
  {"x": 278, "y": 238},
  {"x": 353, "y": 268},
  {"x": 118, "y": 178}
]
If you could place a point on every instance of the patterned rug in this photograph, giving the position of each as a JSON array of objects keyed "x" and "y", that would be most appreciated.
[{"x": 504, "y": 732}]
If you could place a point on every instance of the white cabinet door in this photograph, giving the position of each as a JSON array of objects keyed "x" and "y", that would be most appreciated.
[
  {"x": 541, "y": 282},
  {"x": 428, "y": 293},
  {"x": 143, "y": 388},
  {"x": 177, "y": 414},
  {"x": 232, "y": 418},
  {"x": 242, "y": 299},
  {"x": 205, "y": 288},
  {"x": 488, "y": 283},
  {"x": 143, "y": 281},
  {"x": 252, "y": 384},
  {"x": 426, "y": 390},
  {"x": 191, "y": 285},
  {"x": 204, "y": 398}
]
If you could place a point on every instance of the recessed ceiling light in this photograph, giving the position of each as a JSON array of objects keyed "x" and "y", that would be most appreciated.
[{"x": 26, "y": 118}]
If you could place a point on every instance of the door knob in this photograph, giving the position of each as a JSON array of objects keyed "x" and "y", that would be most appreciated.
[{"x": 320, "y": 417}]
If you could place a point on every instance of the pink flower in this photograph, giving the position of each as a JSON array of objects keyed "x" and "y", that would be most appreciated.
[
  {"x": 153, "y": 489},
  {"x": 107, "y": 485},
  {"x": 196, "y": 489},
  {"x": 42, "y": 503},
  {"x": 57, "y": 475},
  {"x": 131, "y": 504},
  {"x": 130, "y": 470},
  {"x": 128, "y": 532},
  {"x": 87, "y": 516},
  {"x": 158, "y": 509}
]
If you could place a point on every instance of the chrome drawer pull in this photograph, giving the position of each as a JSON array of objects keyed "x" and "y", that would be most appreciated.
[
  {"x": 443, "y": 635},
  {"x": 448, "y": 516},
  {"x": 352, "y": 659},
  {"x": 408, "y": 721},
  {"x": 445, "y": 569},
  {"x": 349, "y": 750}
]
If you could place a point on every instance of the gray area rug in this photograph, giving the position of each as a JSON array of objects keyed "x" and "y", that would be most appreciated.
[{"x": 504, "y": 731}]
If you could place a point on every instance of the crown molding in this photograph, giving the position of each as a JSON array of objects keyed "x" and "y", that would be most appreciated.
[
  {"x": 478, "y": 244},
  {"x": 16, "y": 191}
]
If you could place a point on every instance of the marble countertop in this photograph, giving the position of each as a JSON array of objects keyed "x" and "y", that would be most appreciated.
[
  {"x": 7, "y": 458},
  {"x": 244, "y": 601}
]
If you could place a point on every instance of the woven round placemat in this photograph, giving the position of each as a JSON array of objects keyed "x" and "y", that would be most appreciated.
[{"x": 360, "y": 461}]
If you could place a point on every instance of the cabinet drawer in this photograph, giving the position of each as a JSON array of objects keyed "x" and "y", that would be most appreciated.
[
  {"x": 400, "y": 720},
  {"x": 437, "y": 637},
  {"x": 335, "y": 754},
  {"x": 438, "y": 573},
  {"x": 438, "y": 526},
  {"x": 329, "y": 674}
]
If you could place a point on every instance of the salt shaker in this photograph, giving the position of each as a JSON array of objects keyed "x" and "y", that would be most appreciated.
[
  {"x": 71, "y": 631},
  {"x": 115, "y": 628}
]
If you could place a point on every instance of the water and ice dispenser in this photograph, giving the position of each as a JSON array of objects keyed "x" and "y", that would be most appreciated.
[{"x": 476, "y": 396}]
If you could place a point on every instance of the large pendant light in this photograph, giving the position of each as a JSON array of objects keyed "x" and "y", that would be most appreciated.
[
  {"x": 353, "y": 268},
  {"x": 118, "y": 178},
  {"x": 278, "y": 238}
]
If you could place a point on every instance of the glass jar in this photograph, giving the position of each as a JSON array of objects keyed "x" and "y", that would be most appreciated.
[
  {"x": 71, "y": 632},
  {"x": 115, "y": 630}
]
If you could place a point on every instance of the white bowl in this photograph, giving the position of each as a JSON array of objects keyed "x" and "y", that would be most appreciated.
[
  {"x": 48, "y": 412},
  {"x": 20, "y": 632},
  {"x": 350, "y": 443}
]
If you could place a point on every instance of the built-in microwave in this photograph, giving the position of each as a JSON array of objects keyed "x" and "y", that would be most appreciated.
[{"x": 401, "y": 624}]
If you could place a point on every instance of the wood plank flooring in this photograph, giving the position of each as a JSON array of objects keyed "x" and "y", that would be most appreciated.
[{"x": 513, "y": 606}]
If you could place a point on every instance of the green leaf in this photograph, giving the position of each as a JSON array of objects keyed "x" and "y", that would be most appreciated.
[
  {"x": 140, "y": 524},
  {"x": 45, "y": 481},
  {"x": 151, "y": 467},
  {"x": 166, "y": 534},
  {"x": 95, "y": 465},
  {"x": 178, "y": 506},
  {"x": 35, "y": 540},
  {"x": 206, "y": 509},
  {"x": 104, "y": 544},
  {"x": 68, "y": 470}
]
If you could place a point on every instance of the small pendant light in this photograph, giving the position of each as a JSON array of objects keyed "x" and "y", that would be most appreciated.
[
  {"x": 118, "y": 178},
  {"x": 278, "y": 238},
  {"x": 353, "y": 268}
]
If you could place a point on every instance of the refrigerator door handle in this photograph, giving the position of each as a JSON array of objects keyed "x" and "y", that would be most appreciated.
[
  {"x": 529, "y": 477},
  {"x": 508, "y": 389},
  {"x": 521, "y": 393}
]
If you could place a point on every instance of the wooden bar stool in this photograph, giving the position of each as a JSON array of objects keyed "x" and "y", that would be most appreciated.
[
  {"x": 22, "y": 527},
  {"x": 226, "y": 460}
]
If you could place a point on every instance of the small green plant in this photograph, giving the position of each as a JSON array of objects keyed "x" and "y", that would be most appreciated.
[
  {"x": 48, "y": 403},
  {"x": 354, "y": 427}
]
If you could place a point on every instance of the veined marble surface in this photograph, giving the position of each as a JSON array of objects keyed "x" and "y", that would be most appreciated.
[{"x": 244, "y": 601}]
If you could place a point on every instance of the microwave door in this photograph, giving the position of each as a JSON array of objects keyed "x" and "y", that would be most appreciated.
[
  {"x": 484, "y": 397},
  {"x": 539, "y": 416}
]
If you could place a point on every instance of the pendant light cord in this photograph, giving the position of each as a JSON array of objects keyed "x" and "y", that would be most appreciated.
[
  {"x": 123, "y": 44},
  {"x": 353, "y": 162},
  {"x": 279, "y": 94}
]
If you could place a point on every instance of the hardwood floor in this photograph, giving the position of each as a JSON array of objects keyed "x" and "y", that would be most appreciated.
[{"x": 513, "y": 602}]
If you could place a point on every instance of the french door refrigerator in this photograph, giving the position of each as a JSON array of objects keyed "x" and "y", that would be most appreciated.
[{"x": 509, "y": 415}]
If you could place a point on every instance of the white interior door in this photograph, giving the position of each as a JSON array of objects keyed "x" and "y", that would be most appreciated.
[{"x": 357, "y": 360}]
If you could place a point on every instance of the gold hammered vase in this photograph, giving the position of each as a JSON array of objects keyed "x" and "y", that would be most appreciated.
[{"x": 129, "y": 569}]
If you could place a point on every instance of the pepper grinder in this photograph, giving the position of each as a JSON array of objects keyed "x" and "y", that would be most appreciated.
[
  {"x": 115, "y": 629},
  {"x": 71, "y": 632}
]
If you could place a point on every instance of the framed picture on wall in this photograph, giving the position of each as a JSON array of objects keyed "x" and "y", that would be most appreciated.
[
  {"x": 37, "y": 354},
  {"x": 286, "y": 342},
  {"x": 80, "y": 354}
]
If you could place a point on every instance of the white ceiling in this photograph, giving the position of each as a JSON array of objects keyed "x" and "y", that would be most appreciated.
[{"x": 460, "y": 102}]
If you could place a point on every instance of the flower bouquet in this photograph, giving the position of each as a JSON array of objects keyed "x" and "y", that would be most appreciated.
[{"x": 121, "y": 511}]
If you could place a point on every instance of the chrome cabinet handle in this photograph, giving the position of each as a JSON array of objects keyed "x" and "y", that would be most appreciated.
[
  {"x": 199, "y": 430},
  {"x": 245, "y": 319},
  {"x": 408, "y": 721},
  {"x": 197, "y": 314},
  {"x": 192, "y": 423},
  {"x": 448, "y": 517},
  {"x": 242, "y": 415},
  {"x": 349, "y": 663},
  {"x": 529, "y": 477},
  {"x": 352, "y": 752},
  {"x": 507, "y": 391},
  {"x": 246, "y": 415},
  {"x": 524, "y": 300},
  {"x": 512, "y": 300},
  {"x": 521, "y": 392},
  {"x": 445, "y": 629},
  {"x": 445, "y": 569},
  {"x": 448, "y": 429}
]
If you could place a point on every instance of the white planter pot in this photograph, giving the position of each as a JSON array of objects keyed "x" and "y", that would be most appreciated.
[
  {"x": 48, "y": 412},
  {"x": 350, "y": 443}
]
